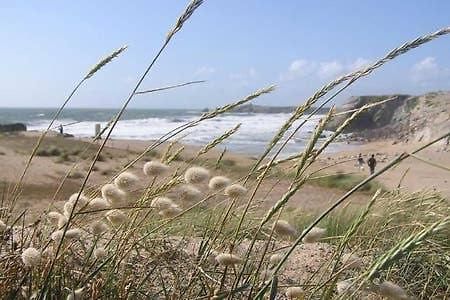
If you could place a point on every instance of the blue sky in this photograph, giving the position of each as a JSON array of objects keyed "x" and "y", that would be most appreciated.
[{"x": 238, "y": 46}]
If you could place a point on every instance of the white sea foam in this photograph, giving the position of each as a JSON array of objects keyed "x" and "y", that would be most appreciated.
[{"x": 253, "y": 136}]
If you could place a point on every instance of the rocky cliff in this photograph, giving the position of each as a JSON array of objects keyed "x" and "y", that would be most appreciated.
[{"x": 407, "y": 118}]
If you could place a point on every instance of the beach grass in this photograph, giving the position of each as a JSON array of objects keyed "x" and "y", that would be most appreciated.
[{"x": 192, "y": 227}]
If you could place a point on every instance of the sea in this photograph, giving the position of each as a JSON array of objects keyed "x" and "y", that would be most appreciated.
[{"x": 252, "y": 138}]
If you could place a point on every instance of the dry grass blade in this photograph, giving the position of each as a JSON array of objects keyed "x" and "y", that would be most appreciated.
[{"x": 170, "y": 87}]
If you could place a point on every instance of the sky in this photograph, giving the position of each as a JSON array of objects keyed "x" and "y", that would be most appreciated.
[{"x": 236, "y": 46}]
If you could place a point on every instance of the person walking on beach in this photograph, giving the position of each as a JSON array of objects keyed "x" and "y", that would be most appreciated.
[
  {"x": 61, "y": 129},
  {"x": 360, "y": 162},
  {"x": 372, "y": 162}
]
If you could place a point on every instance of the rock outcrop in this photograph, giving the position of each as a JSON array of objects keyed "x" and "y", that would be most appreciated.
[
  {"x": 13, "y": 127},
  {"x": 407, "y": 118}
]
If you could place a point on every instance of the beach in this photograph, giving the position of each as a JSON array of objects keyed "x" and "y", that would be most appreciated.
[{"x": 42, "y": 189}]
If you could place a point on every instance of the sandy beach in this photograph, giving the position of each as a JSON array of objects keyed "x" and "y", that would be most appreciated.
[{"x": 42, "y": 183}]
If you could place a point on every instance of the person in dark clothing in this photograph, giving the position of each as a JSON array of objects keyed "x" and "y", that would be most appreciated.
[
  {"x": 61, "y": 129},
  {"x": 372, "y": 162}
]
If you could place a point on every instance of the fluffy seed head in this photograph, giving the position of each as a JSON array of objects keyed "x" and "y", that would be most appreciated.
[
  {"x": 218, "y": 183},
  {"x": 126, "y": 181},
  {"x": 98, "y": 203},
  {"x": 113, "y": 194},
  {"x": 99, "y": 227},
  {"x": 2, "y": 226},
  {"x": 235, "y": 190},
  {"x": 196, "y": 175},
  {"x": 295, "y": 292},
  {"x": 283, "y": 228},
  {"x": 57, "y": 219},
  {"x": 162, "y": 202},
  {"x": 74, "y": 233},
  {"x": 57, "y": 235},
  {"x": 31, "y": 257},
  {"x": 343, "y": 286},
  {"x": 275, "y": 259},
  {"x": 190, "y": 193},
  {"x": 71, "y": 234},
  {"x": 155, "y": 168},
  {"x": 68, "y": 207},
  {"x": 352, "y": 261},
  {"x": 315, "y": 235},
  {"x": 171, "y": 211},
  {"x": 392, "y": 291},
  {"x": 116, "y": 217},
  {"x": 54, "y": 216},
  {"x": 228, "y": 259},
  {"x": 82, "y": 201},
  {"x": 62, "y": 221},
  {"x": 76, "y": 294},
  {"x": 99, "y": 253}
]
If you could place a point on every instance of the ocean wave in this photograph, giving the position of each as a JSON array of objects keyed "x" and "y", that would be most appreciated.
[{"x": 254, "y": 134}]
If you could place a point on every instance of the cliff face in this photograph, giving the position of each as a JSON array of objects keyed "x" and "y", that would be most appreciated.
[{"x": 408, "y": 118}]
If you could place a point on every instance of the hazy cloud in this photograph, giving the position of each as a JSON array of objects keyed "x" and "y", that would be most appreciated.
[
  {"x": 204, "y": 71},
  {"x": 330, "y": 69},
  {"x": 244, "y": 77},
  {"x": 359, "y": 63},
  {"x": 300, "y": 68},
  {"x": 426, "y": 70}
]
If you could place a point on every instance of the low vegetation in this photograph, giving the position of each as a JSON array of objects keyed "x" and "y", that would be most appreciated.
[{"x": 193, "y": 229}]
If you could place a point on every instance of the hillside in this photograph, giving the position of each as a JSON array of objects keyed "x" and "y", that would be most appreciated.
[{"x": 408, "y": 118}]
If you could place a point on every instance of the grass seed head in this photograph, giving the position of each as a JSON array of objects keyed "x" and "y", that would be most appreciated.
[
  {"x": 57, "y": 235},
  {"x": 113, "y": 194},
  {"x": 104, "y": 61},
  {"x": 62, "y": 221},
  {"x": 190, "y": 193},
  {"x": 390, "y": 290},
  {"x": 343, "y": 287},
  {"x": 82, "y": 201},
  {"x": 54, "y": 217},
  {"x": 171, "y": 211},
  {"x": 77, "y": 294},
  {"x": 68, "y": 208},
  {"x": 196, "y": 175},
  {"x": 283, "y": 228},
  {"x": 275, "y": 259},
  {"x": 228, "y": 259},
  {"x": 162, "y": 202},
  {"x": 98, "y": 203},
  {"x": 126, "y": 181},
  {"x": 99, "y": 253},
  {"x": 352, "y": 261},
  {"x": 99, "y": 227},
  {"x": 74, "y": 233},
  {"x": 71, "y": 234},
  {"x": 2, "y": 226},
  {"x": 155, "y": 168},
  {"x": 116, "y": 217},
  {"x": 31, "y": 257},
  {"x": 218, "y": 183},
  {"x": 235, "y": 191},
  {"x": 295, "y": 292},
  {"x": 315, "y": 235}
]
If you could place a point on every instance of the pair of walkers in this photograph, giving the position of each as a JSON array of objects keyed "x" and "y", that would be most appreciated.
[{"x": 371, "y": 162}]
